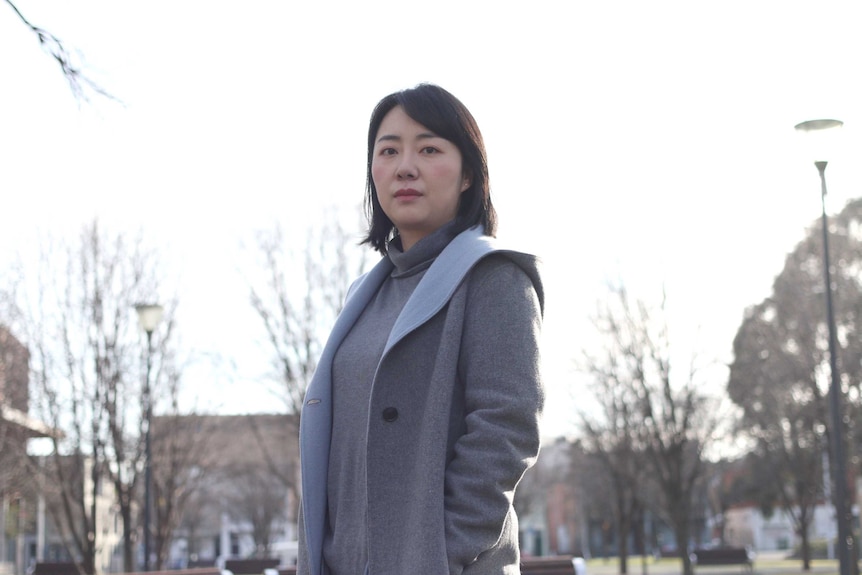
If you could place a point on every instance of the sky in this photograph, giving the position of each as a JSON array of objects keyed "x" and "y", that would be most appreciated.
[{"x": 650, "y": 142}]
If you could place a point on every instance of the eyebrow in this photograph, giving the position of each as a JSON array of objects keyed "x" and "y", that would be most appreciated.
[{"x": 392, "y": 137}]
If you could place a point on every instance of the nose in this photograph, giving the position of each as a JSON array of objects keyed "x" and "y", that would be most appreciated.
[{"x": 407, "y": 169}]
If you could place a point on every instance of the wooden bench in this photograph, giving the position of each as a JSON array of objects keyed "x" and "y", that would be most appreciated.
[
  {"x": 213, "y": 570},
  {"x": 723, "y": 556},
  {"x": 63, "y": 568},
  {"x": 552, "y": 565},
  {"x": 55, "y": 568},
  {"x": 250, "y": 566}
]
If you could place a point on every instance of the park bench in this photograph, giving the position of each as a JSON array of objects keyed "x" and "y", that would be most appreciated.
[
  {"x": 254, "y": 566},
  {"x": 211, "y": 570},
  {"x": 55, "y": 568},
  {"x": 723, "y": 556},
  {"x": 69, "y": 568},
  {"x": 553, "y": 565}
]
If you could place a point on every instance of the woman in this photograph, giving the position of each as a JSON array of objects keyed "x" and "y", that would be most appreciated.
[{"x": 423, "y": 413}]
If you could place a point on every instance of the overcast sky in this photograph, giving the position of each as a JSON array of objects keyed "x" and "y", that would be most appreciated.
[{"x": 651, "y": 141}]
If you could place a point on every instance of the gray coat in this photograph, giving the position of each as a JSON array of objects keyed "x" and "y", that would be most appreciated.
[{"x": 453, "y": 420}]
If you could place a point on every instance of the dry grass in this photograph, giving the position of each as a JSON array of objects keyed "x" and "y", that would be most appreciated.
[{"x": 673, "y": 566}]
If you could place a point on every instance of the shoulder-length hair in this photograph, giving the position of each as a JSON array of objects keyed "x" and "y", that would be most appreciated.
[{"x": 447, "y": 117}]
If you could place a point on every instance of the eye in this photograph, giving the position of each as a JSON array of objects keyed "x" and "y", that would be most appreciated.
[
  {"x": 386, "y": 152},
  {"x": 430, "y": 150}
]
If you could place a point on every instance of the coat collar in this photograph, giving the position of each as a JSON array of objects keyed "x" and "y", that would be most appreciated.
[
  {"x": 440, "y": 282},
  {"x": 434, "y": 290}
]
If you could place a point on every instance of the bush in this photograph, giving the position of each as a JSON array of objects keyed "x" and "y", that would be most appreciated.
[{"x": 819, "y": 550}]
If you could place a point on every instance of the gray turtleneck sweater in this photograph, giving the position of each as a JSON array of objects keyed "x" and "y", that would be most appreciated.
[{"x": 345, "y": 550}]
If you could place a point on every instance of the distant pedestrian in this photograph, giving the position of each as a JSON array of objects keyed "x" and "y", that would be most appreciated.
[{"x": 423, "y": 414}]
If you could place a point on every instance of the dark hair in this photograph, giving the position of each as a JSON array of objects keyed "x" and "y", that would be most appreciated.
[{"x": 447, "y": 117}]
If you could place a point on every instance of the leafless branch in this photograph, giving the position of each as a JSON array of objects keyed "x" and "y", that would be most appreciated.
[{"x": 79, "y": 82}]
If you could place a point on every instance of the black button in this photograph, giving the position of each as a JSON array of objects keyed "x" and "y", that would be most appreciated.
[{"x": 390, "y": 414}]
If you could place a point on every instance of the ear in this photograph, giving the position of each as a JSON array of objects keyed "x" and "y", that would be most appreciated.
[{"x": 465, "y": 183}]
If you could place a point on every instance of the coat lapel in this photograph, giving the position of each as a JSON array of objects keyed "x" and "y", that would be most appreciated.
[
  {"x": 316, "y": 421},
  {"x": 440, "y": 282}
]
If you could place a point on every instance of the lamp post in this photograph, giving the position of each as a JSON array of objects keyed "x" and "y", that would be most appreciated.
[
  {"x": 149, "y": 316},
  {"x": 845, "y": 545}
]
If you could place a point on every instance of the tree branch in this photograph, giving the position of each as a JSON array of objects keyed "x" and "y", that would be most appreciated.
[{"x": 79, "y": 83}]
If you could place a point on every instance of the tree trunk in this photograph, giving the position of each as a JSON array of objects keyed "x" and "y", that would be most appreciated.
[
  {"x": 623, "y": 524},
  {"x": 128, "y": 544},
  {"x": 641, "y": 519},
  {"x": 624, "y": 554},
  {"x": 88, "y": 563},
  {"x": 854, "y": 556},
  {"x": 605, "y": 530},
  {"x": 806, "y": 548},
  {"x": 192, "y": 542},
  {"x": 682, "y": 546},
  {"x": 161, "y": 544}
]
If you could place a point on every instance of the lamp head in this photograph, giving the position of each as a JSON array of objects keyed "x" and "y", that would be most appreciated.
[
  {"x": 820, "y": 138},
  {"x": 149, "y": 316},
  {"x": 812, "y": 125}
]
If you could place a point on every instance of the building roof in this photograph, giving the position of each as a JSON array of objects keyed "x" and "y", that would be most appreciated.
[{"x": 32, "y": 428}]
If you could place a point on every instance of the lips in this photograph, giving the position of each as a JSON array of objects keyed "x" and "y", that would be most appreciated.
[{"x": 407, "y": 193}]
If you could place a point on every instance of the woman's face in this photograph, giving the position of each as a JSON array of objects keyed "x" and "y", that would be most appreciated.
[{"x": 418, "y": 176}]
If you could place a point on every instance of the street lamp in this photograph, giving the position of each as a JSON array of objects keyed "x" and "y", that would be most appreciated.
[
  {"x": 149, "y": 316},
  {"x": 817, "y": 134}
]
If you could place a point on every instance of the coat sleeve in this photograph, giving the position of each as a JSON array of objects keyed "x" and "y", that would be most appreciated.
[{"x": 503, "y": 395}]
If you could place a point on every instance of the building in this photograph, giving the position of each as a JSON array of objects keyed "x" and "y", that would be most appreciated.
[
  {"x": 224, "y": 487},
  {"x": 549, "y": 504},
  {"x": 17, "y": 512},
  {"x": 29, "y": 536},
  {"x": 243, "y": 475},
  {"x": 565, "y": 508},
  {"x": 747, "y": 526}
]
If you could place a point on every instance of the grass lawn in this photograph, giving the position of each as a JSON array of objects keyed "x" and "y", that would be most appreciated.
[{"x": 769, "y": 565}]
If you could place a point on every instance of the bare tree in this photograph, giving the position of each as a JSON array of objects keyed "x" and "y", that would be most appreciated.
[
  {"x": 258, "y": 457},
  {"x": 79, "y": 82},
  {"x": 183, "y": 462},
  {"x": 195, "y": 517},
  {"x": 553, "y": 490},
  {"x": 87, "y": 369},
  {"x": 259, "y": 499},
  {"x": 730, "y": 483},
  {"x": 613, "y": 435},
  {"x": 301, "y": 293},
  {"x": 669, "y": 419}
]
